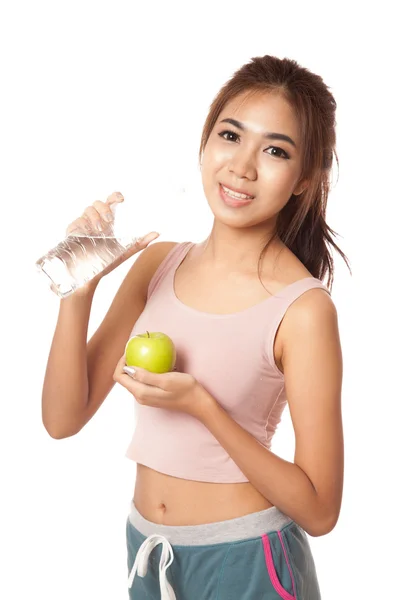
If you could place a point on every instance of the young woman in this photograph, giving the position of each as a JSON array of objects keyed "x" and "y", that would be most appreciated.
[{"x": 215, "y": 513}]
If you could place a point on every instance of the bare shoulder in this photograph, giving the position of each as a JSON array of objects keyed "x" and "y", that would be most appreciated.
[
  {"x": 309, "y": 311},
  {"x": 310, "y": 315},
  {"x": 136, "y": 282},
  {"x": 159, "y": 249},
  {"x": 152, "y": 257}
]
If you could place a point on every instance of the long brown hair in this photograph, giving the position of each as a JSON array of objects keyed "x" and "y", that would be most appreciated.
[{"x": 301, "y": 223}]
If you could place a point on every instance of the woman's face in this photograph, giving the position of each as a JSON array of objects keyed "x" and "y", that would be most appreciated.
[{"x": 241, "y": 156}]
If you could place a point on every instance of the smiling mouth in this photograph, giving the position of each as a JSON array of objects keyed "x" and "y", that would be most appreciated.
[
  {"x": 236, "y": 195},
  {"x": 231, "y": 200}
]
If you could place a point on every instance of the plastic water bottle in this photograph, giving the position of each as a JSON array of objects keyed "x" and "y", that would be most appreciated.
[{"x": 81, "y": 256}]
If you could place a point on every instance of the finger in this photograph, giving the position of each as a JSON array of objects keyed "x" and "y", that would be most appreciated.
[
  {"x": 140, "y": 390},
  {"x": 143, "y": 241},
  {"x": 140, "y": 244},
  {"x": 140, "y": 375},
  {"x": 93, "y": 217},
  {"x": 80, "y": 224},
  {"x": 129, "y": 371},
  {"x": 104, "y": 211},
  {"x": 115, "y": 197},
  {"x": 158, "y": 380}
]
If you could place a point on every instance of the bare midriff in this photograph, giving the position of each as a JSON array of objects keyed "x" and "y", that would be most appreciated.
[{"x": 168, "y": 500}]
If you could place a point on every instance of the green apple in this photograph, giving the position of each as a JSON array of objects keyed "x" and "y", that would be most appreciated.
[{"x": 154, "y": 351}]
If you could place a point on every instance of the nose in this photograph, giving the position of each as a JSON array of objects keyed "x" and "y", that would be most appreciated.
[{"x": 242, "y": 165}]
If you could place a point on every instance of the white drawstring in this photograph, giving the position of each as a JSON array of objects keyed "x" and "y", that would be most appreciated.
[{"x": 142, "y": 559}]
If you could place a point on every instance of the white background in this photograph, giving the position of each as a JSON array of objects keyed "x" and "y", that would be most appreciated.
[{"x": 103, "y": 96}]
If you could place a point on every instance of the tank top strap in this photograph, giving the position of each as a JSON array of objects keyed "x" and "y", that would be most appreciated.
[
  {"x": 292, "y": 291},
  {"x": 285, "y": 298},
  {"x": 171, "y": 260}
]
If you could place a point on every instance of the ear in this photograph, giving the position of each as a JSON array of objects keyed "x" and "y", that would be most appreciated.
[{"x": 300, "y": 187}]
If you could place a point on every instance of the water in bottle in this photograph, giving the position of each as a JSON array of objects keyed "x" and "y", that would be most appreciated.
[{"x": 81, "y": 256}]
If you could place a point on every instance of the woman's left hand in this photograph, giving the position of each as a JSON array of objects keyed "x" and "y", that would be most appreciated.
[{"x": 172, "y": 390}]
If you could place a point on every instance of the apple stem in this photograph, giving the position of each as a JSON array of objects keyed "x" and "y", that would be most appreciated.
[{"x": 148, "y": 335}]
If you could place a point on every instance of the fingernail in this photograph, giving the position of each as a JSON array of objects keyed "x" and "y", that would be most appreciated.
[
  {"x": 129, "y": 371},
  {"x": 98, "y": 225},
  {"x": 108, "y": 217}
]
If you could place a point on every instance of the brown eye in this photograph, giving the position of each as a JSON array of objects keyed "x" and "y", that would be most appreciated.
[
  {"x": 224, "y": 133},
  {"x": 282, "y": 154}
]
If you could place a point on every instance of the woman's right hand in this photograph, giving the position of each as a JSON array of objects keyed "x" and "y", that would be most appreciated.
[{"x": 98, "y": 217}]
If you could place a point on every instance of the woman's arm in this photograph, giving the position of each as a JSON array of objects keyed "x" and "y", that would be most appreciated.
[
  {"x": 310, "y": 489},
  {"x": 79, "y": 374}
]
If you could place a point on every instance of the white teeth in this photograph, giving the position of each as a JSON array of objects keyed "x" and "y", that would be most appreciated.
[{"x": 235, "y": 194}]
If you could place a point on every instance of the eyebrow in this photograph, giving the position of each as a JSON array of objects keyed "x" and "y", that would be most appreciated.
[{"x": 269, "y": 135}]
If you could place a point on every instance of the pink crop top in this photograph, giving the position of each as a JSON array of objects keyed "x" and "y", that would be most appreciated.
[{"x": 231, "y": 355}]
